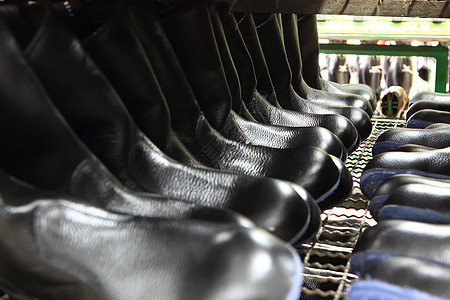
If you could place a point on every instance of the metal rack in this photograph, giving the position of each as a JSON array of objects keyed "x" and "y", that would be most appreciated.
[{"x": 326, "y": 259}]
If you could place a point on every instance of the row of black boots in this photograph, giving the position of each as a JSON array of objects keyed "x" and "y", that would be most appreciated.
[
  {"x": 406, "y": 256},
  {"x": 165, "y": 150}
]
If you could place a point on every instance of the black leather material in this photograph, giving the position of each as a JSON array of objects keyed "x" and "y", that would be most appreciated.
[
  {"x": 430, "y": 116},
  {"x": 428, "y": 104},
  {"x": 59, "y": 249},
  {"x": 284, "y": 137},
  {"x": 414, "y": 148},
  {"x": 424, "y": 95},
  {"x": 425, "y": 276},
  {"x": 262, "y": 102},
  {"x": 95, "y": 112},
  {"x": 309, "y": 47},
  {"x": 421, "y": 196},
  {"x": 272, "y": 44},
  {"x": 293, "y": 53},
  {"x": 258, "y": 133},
  {"x": 389, "y": 185},
  {"x": 209, "y": 146},
  {"x": 407, "y": 238},
  {"x": 435, "y": 161},
  {"x": 345, "y": 189},
  {"x": 438, "y": 125},
  {"x": 434, "y": 138}
]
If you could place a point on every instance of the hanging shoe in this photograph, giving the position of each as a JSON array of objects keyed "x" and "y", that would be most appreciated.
[
  {"x": 271, "y": 39},
  {"x": 309, "y": 47},
  {"x": 428, "y": 104},
  {"x": 194, "y": 130},
  {"x": 60, "y": 163},
  {"x": 55, "y": 248},
  {"x": 260, "y": 93},
  {"x": 430, "y": 164},
  {"x": 293, "y": 52},
  {"x": 396, "y": 137}
]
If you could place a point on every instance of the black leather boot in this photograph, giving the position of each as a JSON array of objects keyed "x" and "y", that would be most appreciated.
[
  {"x": 103, "y": 123},
  {"x": 430, "y": 242},
  {"x": 417, "y": 202},
  {"x": 54, "y": 248},
  {"x": 408, "y": 273},
  {"x": 428, "y": 104},
  {"x": 196, "y": 133},
  {"x": 309, "y": 47},
  {"x": 268, "y": 29},
  {"x": 261, "y": 134},
  {"x": 396, "y": 137},
  {"x": 441, "y": 97},
  {"x": 426, "y": 117},
  {"x": 292, "y": 46},
  {"x": 262, "y": 101},
  {"x": 433, "y": 163}
]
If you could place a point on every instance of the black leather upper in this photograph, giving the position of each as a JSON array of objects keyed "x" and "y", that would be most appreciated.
[
  {"x": 56, "y": 248},
  {"x": 425, "y": 95},
  {"x": 278, "y": 66},
  {"x": 396, "y": 181},
  {"x": 421, "y": 196},
  {"x": 309, "y": 47},
  {"x": 426, "y": 276},
  {"x": 431, "y": 116},
  {"x": 94, "y": 111},
  {"x": 428, "y": 104},
  {"x": 263, "y": 103},
  {"x": 407, "y": 238},
  {"x": 293, "y": 52},
  {"x": 434, "y": 138}
]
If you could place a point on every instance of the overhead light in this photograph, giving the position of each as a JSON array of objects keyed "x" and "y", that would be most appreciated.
[
  {"x": 415, "y": 43},
  {"x": 353, "y": 42},
  {"x": 324, "y": 41}
]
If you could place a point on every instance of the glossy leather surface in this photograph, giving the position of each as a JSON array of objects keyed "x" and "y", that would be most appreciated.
[
  {"x": 272, "y": 44},
  {"x": 414, "y": 273},
  {"x": 309, "y": 47},
  {"x": 406, "y": 238},
  {"x": 414, "y": 148},
  {"x": 290, "y": 137},
  {"x": 436, "y": 161},
  {"x": 393, "y": 138},
  {"x": 259, "y": 133},
  {"x": 430, "y": 163},
  {"x": 426, "y": 117},
  {"x": 428, "y": 104},
  {"x": 396, "y": 181},
  {"x": 209, "y": 146},
  {"x": 293, "y": 52},
  {"x": 263, "y": 104},
  {"x": 430, "y": 96},
  {"x": 126, "y": 152},
  {"x": 421, "y": 196},
  {"x": 56, "y": 248}
]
